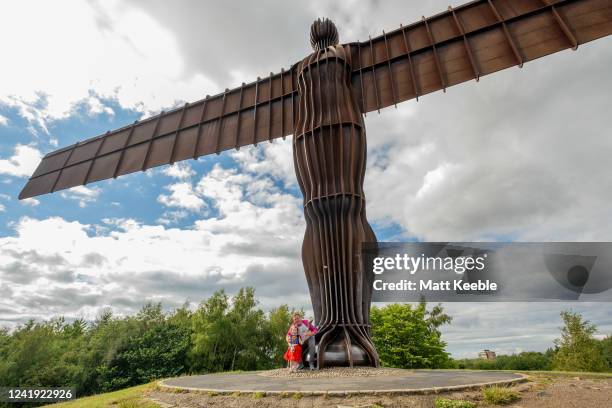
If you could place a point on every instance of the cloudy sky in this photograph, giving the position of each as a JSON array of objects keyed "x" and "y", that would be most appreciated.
[{"x": 523, "y": 155}]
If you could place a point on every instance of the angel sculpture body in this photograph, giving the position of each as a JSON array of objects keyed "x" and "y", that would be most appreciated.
[
  {"x": 321, "y": 101},
  {"x": 329, "y": 150}
]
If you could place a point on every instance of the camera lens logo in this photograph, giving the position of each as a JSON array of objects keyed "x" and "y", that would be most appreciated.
[
  {"x": 588, "y": 274},
  {"x": 578, "y": 276}
]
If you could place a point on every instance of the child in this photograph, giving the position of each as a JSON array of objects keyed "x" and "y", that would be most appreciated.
[{"x": 293, "y": 355}]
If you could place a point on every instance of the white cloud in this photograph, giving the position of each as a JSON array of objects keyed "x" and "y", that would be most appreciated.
[
  {"x": 172, "y": 217},
  {"x": 3, "y": 120},
  {"x": 22, "y": 163},
  {"x": 31, "y": 202},
  {"x": 124, "y": 224},
  {"x": 182, "y": 195},
  {"x": 275, "y": 159},
  {"x": 96, "y": 107},
  {"x": 120, "y": 52},
  {"x": 84, "y": 195},
  {"x": 2, "y": 208},
  {"x": 433, "y": 179},
  {"x": 121, "y": 262},
  {"x": 181, "y": 171}
]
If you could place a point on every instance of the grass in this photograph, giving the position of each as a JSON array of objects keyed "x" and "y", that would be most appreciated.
[
  {"x": 449, "y": 403},
  {"x": 499, "y": 395},
  {"x": 258, "y": 395},
  {"x": 132, "y": 397},
  {"x": 581, "y": 374},
  {"x": 126, "y": 398}
]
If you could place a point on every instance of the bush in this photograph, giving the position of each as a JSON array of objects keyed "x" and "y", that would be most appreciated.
[
  {"x": 526, "y": 361},
  {"x": 499, "y": 395},
  {"x": 408, "y": 337}
]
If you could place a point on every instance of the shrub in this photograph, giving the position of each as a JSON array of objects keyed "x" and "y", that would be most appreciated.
[
  {"x": 409, "y": 337},
  {"x": 525, "y": 361},
  {"x": 499, "y": 395}
]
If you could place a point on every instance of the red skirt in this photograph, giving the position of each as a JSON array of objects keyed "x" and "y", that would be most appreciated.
[{"x": 295, "y": 355}]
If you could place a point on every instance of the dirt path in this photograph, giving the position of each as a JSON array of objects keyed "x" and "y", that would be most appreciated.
[
  {"x": 547, "y": 392},
  {"x": 541, "y": 392}
]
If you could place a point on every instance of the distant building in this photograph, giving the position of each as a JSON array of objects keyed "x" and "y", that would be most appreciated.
[{"x": 487, "y": 355}]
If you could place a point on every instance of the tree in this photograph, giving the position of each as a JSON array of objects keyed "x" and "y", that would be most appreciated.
[
  {"x": 229, "y": 335},
  {"x": 41, "y": 354},
  {"x": 409, "y": 337},
  {"x": 210, "y": 331},
  {"x": 138, "y": 349},
  {"x": 606, "y": 351},
  {"x": 247, "y": 340},
  {"x": 577, "y": 350},
  {"x": 275, "y": 330}
]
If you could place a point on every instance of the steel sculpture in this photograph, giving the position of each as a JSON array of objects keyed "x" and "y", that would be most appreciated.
[{"x": 321, "y": 100}]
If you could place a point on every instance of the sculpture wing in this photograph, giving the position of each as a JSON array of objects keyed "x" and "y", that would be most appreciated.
[
  {"x": 252, "y": 113},
  {"x": 476, "y": 39}
]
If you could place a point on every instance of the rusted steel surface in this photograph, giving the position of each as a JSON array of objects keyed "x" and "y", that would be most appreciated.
[
  {"x": 463, "y": 43},
  {"x": 329, "y": 151},
  {"x": 470, "y": 41},
  {"x": 246, "y": 115}
]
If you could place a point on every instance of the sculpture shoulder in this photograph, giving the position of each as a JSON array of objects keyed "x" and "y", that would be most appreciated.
[{"x": 336, "y": 52}]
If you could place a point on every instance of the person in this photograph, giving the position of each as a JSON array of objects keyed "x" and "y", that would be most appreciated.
[
  {"x": 306, "y": 332},
  {"x": 293, "y": 355}
]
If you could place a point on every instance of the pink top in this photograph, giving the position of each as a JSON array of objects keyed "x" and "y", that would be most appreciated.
[{"x": 307, "y": 324}]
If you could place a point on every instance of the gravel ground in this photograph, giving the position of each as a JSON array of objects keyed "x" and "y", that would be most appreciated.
[
  {"x": 541, "y": 392},
  {"x": 333, "y": 372}
]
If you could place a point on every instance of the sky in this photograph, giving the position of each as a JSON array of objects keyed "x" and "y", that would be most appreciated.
[{"x": 521, "y": 155}]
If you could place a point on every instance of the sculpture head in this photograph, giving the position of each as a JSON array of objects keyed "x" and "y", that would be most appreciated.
[{"x": 323, "y": 33}]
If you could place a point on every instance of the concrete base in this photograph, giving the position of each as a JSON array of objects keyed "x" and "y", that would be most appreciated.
[{"x": 404, "y": 382}]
